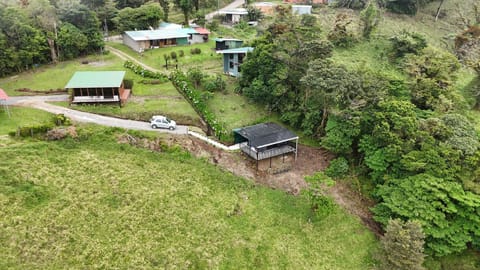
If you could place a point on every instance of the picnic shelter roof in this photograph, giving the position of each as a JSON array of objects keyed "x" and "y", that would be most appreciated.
[
  {"x": 266, "y": 134},
  {"x": 96, "y": 79},
  {"x": 3, "y": 95}
]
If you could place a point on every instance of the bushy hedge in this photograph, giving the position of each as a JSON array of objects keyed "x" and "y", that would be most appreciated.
[
  {"x": 31, "y": 131},
  {"x": 137, "y": 69},
  {"x": 180, "y": 81}
]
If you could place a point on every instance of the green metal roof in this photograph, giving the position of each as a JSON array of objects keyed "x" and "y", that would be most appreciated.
[{"x": 96, "y": 79}]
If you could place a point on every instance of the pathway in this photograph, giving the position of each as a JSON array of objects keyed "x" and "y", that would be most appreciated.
[
  {"x": 38, "y": 102},
  {"x": 95, "y": 118},
  {"x": 234, "y": 4}
]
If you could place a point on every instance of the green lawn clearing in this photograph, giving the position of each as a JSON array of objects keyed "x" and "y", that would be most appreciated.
[
  {"x": 20, "y": 116},
  {"x": 56, "y": 76},
  {"x": 94, "y": 203},
  {"x": 206, "y": 60},
  {"x": 142, "y": 108}
]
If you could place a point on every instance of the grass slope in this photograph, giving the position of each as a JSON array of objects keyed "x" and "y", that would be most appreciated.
[{"x": 95, "y": 204}]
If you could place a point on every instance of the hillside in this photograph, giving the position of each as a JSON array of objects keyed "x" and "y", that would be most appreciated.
[{"x": 92, "y": 202}]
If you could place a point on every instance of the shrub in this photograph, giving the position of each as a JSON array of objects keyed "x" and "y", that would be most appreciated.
[
  {"x": 195, "y": 97},
  {"x": 181, "y": 53},
  {"x": 128, "y": 83},
  {"x": 61, "y": 120},
  {"x": 31, "y": 131},
  {"x": 340, "y": 36},
  {"x": 320, "y": 205},
  {"x": 403, "y": 245},
  {"x": 137, "y": 69},
  {"x": 337, "y": 168},
  {"x": 408, "y": 42},
  {"x": 217, "y": 84},
  {"x": 195, "y": 51},
  {"x": 173, "y": 55}
]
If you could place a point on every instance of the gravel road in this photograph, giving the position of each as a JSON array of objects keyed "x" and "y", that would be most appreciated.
[{"x": 37, "y": 102}]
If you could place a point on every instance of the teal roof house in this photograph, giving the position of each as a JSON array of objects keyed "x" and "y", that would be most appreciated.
[{"x": 233, "y": 59}]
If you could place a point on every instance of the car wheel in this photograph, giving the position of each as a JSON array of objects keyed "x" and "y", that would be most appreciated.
[
  {"x": 154, "y": 126},
  {"x": 171, "y": 128}
]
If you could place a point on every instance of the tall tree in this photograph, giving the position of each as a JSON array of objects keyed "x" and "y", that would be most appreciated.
[
  {"x": 45, "y": 17},
  {"x": 448, "y": 214},
  {"x": 165, "y": 4},
  {"x": 328, "y": 86},
  {"x": 186, "y": 6},
  {"x": 403, "y": 245},
  {"x": 27, "y": 43}
]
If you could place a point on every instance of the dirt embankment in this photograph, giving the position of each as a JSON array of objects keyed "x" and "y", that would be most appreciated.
[{"x": 309, "y": 161}]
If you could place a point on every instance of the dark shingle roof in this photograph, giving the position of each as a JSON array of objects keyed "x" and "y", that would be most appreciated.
[{"x": 265, "y": 134}]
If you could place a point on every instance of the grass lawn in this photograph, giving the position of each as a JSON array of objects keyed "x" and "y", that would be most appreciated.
[
  {"x": 236, "y": 110},
  {"x": 20, "y": 116},
  {"x": 93, "y": 203},
  {"x": 56, "y": 76},
  {"x": 206, "y": 60}
]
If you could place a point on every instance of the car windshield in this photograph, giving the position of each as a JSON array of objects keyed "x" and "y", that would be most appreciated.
[{"x": 168, "y": 120}]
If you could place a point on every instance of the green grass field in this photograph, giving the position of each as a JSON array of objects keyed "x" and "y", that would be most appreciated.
[
  {"x": 93, "y": 203},
  {"x": 20, "y": 116},
  {"x": 207, "y": 60}
]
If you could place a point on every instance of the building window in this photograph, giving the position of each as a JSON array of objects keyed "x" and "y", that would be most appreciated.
[
  {"x": 231, "y": 65},
  {"x": 230, "y": 56}
]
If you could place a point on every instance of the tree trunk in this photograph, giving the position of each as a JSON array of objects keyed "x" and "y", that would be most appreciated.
[
  {"x": 53, "y": 53},
  {"x": 185, "y": 13},
  {"x": 438, "y": 9}
]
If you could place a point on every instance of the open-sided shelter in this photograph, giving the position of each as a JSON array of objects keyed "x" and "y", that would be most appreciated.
[
  {"x": 98, "y": 86},
  {"x": 233, "y": 59},
  {"x": 266, "y": 140},
  {"x": 3, "y": 101}
]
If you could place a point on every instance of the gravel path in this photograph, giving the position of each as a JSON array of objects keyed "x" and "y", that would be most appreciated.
[
  {"x": 95, "y": 118},
  {"x": 232, "y": 5}
]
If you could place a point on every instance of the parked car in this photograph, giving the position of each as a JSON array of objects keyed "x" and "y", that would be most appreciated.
[{"x": 160, "y": 121}]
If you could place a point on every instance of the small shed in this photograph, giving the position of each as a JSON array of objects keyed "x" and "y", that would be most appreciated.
[
  {"x": 227, "y": 43},
  {"x": 233, "y": 59},
  {"x": 301, "y": 9},
  {"x": 98, "y": 87},
  {"x": 266, "y": 140},
  {"x": 3, "y": 101},
  {"x": 233, "y": 16},
  {"x": 148, "y": 39},
  {"x": 201, "y": 35}
]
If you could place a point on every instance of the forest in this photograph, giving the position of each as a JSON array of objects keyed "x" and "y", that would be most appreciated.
[{"x": 404, "y": 134}]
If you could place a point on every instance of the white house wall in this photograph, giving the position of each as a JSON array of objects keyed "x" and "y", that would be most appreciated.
[
  {"x": 127, "y": 40},
  {"x": 196, "y": 39}
]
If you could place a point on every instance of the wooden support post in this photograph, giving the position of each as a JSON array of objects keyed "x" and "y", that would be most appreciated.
[{"x": 296, "y": 149}]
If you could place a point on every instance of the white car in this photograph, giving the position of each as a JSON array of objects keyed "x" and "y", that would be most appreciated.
[{"x": 160, "y": 121}]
